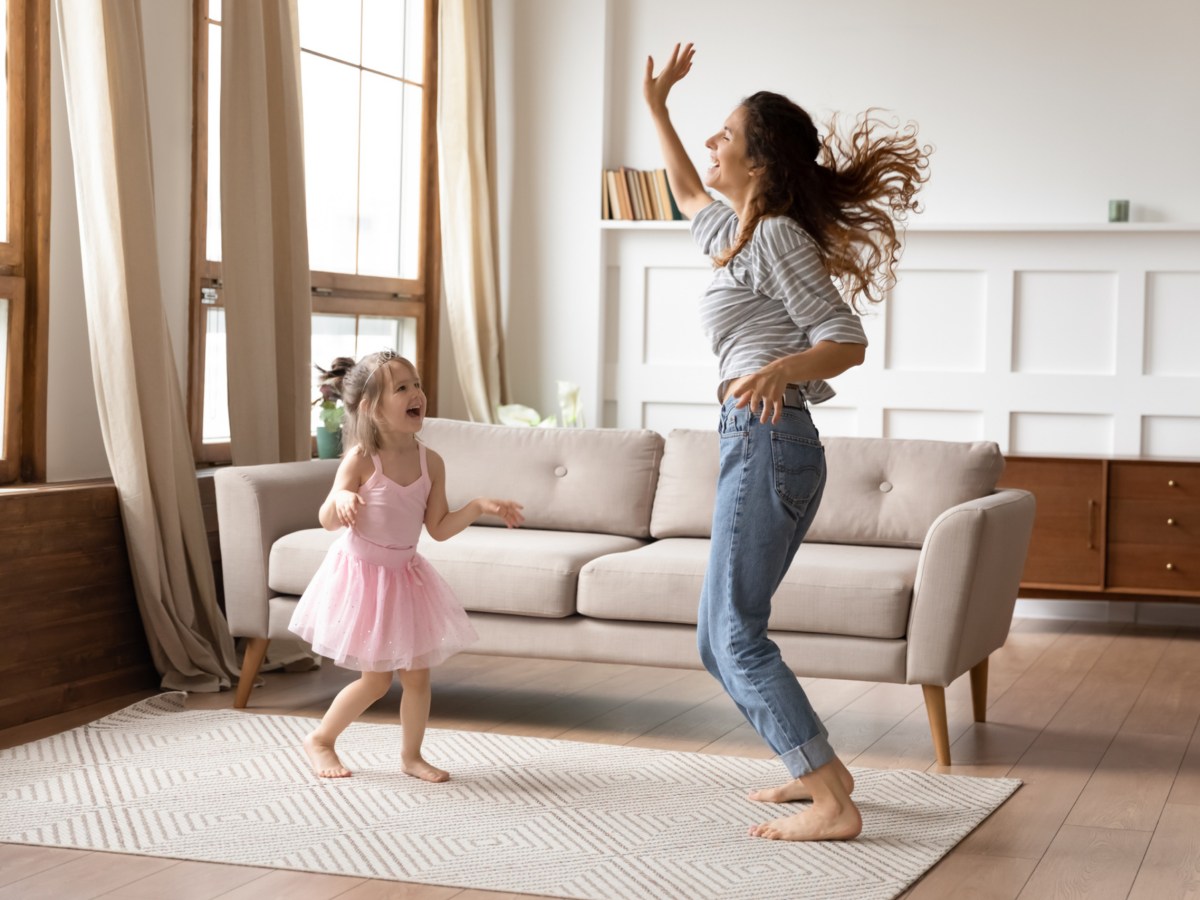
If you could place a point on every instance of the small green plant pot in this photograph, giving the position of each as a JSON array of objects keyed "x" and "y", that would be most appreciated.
[{"x": 329, "y": 443}]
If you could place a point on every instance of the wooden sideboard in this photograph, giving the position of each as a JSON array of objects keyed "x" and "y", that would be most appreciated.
[{"x": 1125, "y": 527}]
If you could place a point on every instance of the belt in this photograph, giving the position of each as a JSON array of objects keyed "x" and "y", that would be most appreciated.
[{"x": 793, "y": 396}]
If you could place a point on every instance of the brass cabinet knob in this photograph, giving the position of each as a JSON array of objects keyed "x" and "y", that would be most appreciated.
[
  {"x": 1170, "y": 567},
  {"x": 1170, "y": 482},
  {"x": 1170, "y": 521}
]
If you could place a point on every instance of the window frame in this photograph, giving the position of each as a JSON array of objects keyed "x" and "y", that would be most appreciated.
[
  {"x": 23, "y": 256},
  {"x": 332, "y": 292}
]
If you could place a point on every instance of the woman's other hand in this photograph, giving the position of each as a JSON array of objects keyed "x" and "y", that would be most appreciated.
[{"x": 656, "y": 88}]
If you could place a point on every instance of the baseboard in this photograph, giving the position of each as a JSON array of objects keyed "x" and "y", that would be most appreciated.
[{"x": 1138, "y": 612}]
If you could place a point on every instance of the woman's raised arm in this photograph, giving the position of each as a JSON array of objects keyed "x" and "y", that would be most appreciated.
[{"x": 685, "y": 182}]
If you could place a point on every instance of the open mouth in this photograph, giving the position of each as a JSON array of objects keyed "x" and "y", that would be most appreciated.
[{"x": 414, "y": 412}]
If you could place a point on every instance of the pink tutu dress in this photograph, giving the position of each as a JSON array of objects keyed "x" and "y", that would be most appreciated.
[{"x": 375, "y": 605}]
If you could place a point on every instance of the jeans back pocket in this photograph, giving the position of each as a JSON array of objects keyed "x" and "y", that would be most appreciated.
[{"x": 798, "y": 469}]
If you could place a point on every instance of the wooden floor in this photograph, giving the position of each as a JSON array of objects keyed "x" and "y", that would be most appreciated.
[{"x": 1098, "y": 720}]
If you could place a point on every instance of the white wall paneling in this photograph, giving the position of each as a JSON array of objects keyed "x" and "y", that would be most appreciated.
[{"x": 1045, "y": 339}]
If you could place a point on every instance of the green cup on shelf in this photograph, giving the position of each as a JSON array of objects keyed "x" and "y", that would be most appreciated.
[{"x": 1118, "y": 210}]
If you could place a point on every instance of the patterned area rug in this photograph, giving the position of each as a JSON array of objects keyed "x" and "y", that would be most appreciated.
[{"x": 525, "y": 815}]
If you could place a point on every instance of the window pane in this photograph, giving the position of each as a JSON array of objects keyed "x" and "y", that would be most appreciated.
[
  {"x": 332, "y": 27},
  {"x": 212, "y": 238},
  {"x": 332, "y": 336},
  {"x": 383, "y": 35},
  {"x": 410, "y": 184},
  {"x": 215, "y": 426},
  {"x": 330, "y": 93},
  {"x": 390, "y": 333},
  {"x": 4, "y": 129},
  {"x": 381, "y": 186},
  {"x": 5, "y": 308},
  {"x": 214, "y": 9},
  {"x": 414, "y": 41}
]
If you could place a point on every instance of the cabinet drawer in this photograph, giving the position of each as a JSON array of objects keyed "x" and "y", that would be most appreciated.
[
  {"x": 1144, "y": 566},
  {"x": 1166, "y": 522},
  {"x": 1155, "y": 481}
]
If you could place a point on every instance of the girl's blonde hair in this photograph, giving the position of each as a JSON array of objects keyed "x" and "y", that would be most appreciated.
[
  {"x": 848, "y": 191},
  {"x": 361, "y": 390}
]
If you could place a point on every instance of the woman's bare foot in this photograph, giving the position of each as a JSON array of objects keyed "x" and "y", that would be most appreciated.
[
  {"x": 418, "y": 768},
  {"x": 842, "y": 824},
  {"x": 324, "y": 760},
  {"x": 796, "y": 790},
  {"x": 832, "y": 816}
]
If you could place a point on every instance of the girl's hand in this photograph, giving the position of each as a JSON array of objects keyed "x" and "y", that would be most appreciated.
[
  {"x": 656, "y": 89},
  {"x": 345, "y": 506},
  {"x": 508, "y": 510}
]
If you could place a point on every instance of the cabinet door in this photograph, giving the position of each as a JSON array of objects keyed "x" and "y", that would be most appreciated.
[{"x": 1066, "y": 550}]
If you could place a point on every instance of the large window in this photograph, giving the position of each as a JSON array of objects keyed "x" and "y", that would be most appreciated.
[
  {"x": 23, "y": 84},
  {"x": 367, "y": 72}
]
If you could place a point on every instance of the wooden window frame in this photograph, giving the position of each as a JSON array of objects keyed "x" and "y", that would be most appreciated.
[
  {"x": 23, "y": 257},
  {"x": 332, "y": 292}
]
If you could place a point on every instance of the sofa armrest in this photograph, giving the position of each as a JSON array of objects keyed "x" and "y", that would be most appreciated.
[
  {"x": 256, "y": 506},
  {"x": 966, "y": 585}
]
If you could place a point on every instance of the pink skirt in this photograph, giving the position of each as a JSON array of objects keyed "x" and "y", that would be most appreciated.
[{"x": 378, "y": 609}]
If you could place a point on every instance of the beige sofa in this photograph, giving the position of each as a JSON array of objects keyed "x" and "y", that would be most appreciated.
[{"x": 909, "y": 573}]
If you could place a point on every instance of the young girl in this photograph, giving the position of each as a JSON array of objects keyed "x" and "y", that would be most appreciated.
[
  {"x": 800, "y": 210},
  {"x": 375, "y": 605}
]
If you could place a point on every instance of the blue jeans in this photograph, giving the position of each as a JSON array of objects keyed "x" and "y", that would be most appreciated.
[{"x": 771, "y": 481}]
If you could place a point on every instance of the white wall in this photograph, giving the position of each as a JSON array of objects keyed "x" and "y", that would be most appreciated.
[
  {"x": 1040, "y": 112},
  {"x": 74, "y": 447}
]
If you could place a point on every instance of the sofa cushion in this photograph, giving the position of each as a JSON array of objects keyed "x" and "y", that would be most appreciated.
[
  {"x": 568, "y": 479},
  {"x": 829, "y": 588},
  {"x": 881, "y": 491},
  {"x": 521, "y": 571}
]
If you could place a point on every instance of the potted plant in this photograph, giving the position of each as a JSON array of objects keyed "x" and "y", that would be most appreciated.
[{"x": 333, "y": 413}]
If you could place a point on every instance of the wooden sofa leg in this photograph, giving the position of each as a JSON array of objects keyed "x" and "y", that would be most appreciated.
[
  {"x": 935, "y": 707},
  {"x": 979, "y": 675},
  {"x": 256, "y": 649}
]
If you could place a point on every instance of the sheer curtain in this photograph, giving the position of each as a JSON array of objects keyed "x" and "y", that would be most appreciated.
[
  {"x": 137, "y": 389},
  {"x": 467, "y": 196},
  {"x": 264, "y": 246}
]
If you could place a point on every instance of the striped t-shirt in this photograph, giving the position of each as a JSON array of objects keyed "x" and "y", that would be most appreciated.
[{"x": 774, "y": 299}]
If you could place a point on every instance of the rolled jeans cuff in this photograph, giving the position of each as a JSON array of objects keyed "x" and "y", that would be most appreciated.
[{"x": 809, "y": 756}]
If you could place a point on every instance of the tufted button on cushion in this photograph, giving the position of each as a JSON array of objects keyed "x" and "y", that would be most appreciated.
[
  {"x": 885, "y": 486},
  {"x": 560, "y": 471}
]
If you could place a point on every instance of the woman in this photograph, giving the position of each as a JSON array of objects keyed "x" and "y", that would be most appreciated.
[{"x": 800, "y": 211}]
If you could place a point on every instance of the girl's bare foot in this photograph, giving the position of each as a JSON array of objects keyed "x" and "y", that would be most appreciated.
[
  {"x": 814, "y": 824},
  {"x": 418, "y": 768},
  {"x": 324, "y": 760},
  {"x": 796, "y": 790}
]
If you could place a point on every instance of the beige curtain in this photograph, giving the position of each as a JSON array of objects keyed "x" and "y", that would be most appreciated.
[
  {"x": 467, "y": 196},
  {"x": 264, "y": 247},
  {"x": 264, "y": 244},
  {"x": 133, "y": 366}
]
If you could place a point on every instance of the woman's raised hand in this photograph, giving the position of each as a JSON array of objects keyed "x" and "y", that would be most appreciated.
[{"x": 655, "y": 88}]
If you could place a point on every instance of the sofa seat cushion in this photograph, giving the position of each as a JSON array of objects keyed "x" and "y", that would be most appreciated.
[
  {"x": 829, "y": 589},
  {"x": 519, "y": 570},
  {"x": 522, "y": 571}
]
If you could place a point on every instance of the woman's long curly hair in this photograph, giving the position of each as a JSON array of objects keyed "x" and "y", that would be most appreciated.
[{"x": 847, "y": 191}]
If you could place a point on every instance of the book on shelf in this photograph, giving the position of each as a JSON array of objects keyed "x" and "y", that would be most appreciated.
[{"x": 638, "y": 195}]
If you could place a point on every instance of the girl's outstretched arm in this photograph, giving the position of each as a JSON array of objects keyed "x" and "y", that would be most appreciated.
[
  {"x": 340, "y": 508},
  {"x": 686, "y": 185},
  {"x": 442, "y": 523}
]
